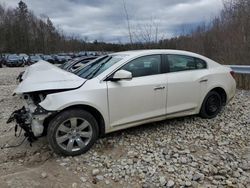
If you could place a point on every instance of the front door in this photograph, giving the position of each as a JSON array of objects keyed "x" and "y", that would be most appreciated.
[{"x": 141, "y": 98}]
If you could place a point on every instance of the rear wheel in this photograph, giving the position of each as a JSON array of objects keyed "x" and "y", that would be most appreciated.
[
  {"x": 72, "y": 132},
  {"x": 211, "y": 105}
]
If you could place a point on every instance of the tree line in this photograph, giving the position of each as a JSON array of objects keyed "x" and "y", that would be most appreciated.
[
  {"x": 225, "y": 39},
  {"x": 23, "y": 32}
]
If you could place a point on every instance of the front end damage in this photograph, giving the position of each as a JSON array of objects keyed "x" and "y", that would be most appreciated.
[
  {"x": 30, "y": 117},
  {"x": 35, "y": 83}
]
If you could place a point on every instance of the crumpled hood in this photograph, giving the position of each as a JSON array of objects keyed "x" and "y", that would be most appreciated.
[{"x": 45, "y": 76}]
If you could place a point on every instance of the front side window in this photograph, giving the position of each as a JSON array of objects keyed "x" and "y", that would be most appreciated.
[
  {"x": 144, "y": 66},
  {"x": 178, "y": 63}
]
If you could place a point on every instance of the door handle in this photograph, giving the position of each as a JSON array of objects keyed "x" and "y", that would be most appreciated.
[
  {"x": 159, "y": 88},
  {"x": 203, "y": 80}
]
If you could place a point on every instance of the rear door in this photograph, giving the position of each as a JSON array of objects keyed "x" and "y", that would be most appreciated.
[
  {"x": 141, "y": 98},
  {"x": 186, "y": 80}
]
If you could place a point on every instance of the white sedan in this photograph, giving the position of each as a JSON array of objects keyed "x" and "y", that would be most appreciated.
[{"x": 118, "y": 91}]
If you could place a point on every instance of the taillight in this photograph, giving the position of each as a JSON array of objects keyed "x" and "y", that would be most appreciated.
[{"x": 232, "y": 74}]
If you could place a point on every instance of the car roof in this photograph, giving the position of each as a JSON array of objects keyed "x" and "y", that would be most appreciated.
[{"x": 158, "y": 51}]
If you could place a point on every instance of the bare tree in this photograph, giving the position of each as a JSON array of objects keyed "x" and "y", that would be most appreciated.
[{"x": 128, "y": 22}]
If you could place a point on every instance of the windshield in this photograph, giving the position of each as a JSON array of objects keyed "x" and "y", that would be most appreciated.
[{"x": 99, "y": 65}]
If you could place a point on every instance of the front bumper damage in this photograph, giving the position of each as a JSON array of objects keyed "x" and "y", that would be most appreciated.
[
  {"x": 30, "y": 122},
  {"x": 21, "y": 117}
]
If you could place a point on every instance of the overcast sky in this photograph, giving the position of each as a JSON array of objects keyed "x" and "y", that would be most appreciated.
[{"x": 105, "y": 19}]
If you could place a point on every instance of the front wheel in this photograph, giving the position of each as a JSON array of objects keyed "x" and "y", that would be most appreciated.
[
  {"x": 72, "y": 132},
  {"x": 211, "y": 105}
]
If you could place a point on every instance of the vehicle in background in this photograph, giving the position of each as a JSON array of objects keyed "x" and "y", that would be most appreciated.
[
  {"x": 13, "y": 60},
  {"x": 24, "y": 56},
  {"x": 1, "y": 61},
  {"x": 71, "y": 54},
  {"x": 48, "y": 58},
  {"x": 39, "y": 54},
  {"x": 60, "y": 59},
  {"x": 33, "y": 59},
  {"x": 80, "y": 54},
  {"x": 76, "y": 63},
  {"x": 67, "y": 58}
]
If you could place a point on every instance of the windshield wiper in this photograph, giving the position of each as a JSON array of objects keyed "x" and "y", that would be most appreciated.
[{"x": 92, "y": 74}]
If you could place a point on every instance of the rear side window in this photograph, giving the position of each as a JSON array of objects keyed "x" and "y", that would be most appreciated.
[
  {"x": 144, "y": 66},
  {"x": 178, "y": 63}
]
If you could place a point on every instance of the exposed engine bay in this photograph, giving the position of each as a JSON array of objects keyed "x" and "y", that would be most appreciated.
[{"x": 31, "y": 116}]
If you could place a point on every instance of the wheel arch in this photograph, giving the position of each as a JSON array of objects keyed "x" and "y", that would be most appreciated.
[
  {"x": 98, "y": 116},
  {"x": 219, "y": 89},
  {"x": 222, "y": 93}
]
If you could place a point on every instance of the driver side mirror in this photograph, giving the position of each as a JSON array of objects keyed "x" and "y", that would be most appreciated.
[{"x": 122, "y": 75}]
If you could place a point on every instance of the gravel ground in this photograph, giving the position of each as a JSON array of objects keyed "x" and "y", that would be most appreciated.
[{"x": 184, "y": 152}]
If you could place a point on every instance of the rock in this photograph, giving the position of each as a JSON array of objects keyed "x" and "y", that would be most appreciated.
[
  {"x": 176, "y": 155},
  {"x": 44, "y": 175},
  {"x": 78, "y": 169},
  {"x": 245, "y": 165},
  {"x": 215, "y": 182},
  {"x": 186, "y": 151},
  {"x": 188, "y": 183},
  {"x": 236, "y": 174},
  {"x": 131, "y": 154},
  {"x": 170, "y": 169},
  {"x": 229, "y": 183},
  {"x": 74, "y": 185},
  {"x": 218, "y": 177},
  {"x": 183, "y": 160},
  {"x": 95, "y": 171},
  {"x": 170, "y": 184},
  {"x": 130, "y": 161},
  {"x": 198, "y": 176},
  {"x": 99, "y": 177},
  {"x": 83, "y": 179},
  {"x": 66, "y": 160},
  {"x": 63, "y": 164},
  {"x": 107, "y": 182},
  {"x": 162, "y": 180}
]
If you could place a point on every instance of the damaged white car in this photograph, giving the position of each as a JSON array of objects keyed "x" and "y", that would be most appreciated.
[{"x": 118, "y": 91}]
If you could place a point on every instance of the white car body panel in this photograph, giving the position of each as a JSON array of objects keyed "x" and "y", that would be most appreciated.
[
  {"x": 137, "y": 99},
  {"x": 92, "y": 93},
  {"x": 127, "y": 103},
  {"x": 184, "y": 83},
  {"x": 45, "y": 76}
]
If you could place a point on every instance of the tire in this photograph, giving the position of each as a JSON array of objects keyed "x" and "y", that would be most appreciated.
[
  {"x": 211, "y": 105},
  {"x": 72, "y": 132}
]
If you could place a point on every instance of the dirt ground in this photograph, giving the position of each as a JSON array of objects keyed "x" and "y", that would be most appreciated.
[{"x": 37, "y": 166}]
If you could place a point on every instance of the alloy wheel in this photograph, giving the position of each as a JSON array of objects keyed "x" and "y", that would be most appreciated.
[{"x": 74, "y": 134}]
